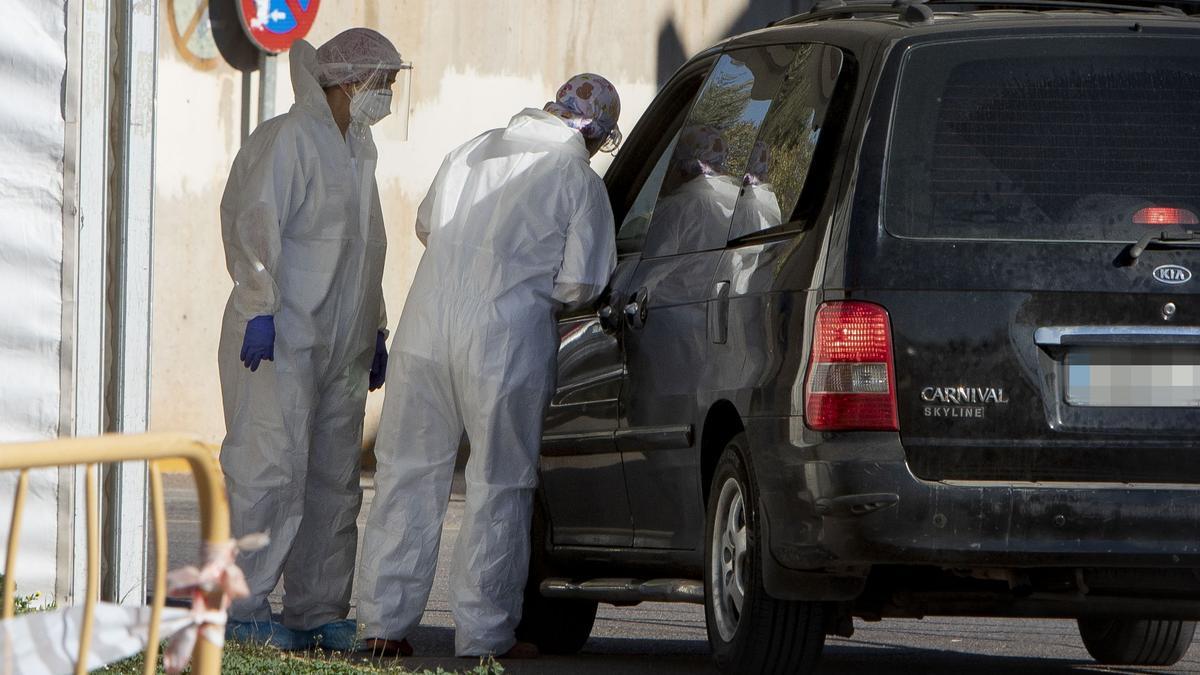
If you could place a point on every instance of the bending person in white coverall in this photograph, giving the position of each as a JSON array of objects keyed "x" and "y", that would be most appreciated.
[
  {"x": 303, "y": 336},
  {"x": 516, "y": 225}
]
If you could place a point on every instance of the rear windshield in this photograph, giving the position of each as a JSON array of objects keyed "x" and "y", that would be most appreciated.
[{"x": 1075, "y": 138}]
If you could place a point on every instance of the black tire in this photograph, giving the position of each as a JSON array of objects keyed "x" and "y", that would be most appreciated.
[
  {"x": 764, "y": 635},
  {"x": 1136, "y": 642},
  {"x": 556, "y": 626}
]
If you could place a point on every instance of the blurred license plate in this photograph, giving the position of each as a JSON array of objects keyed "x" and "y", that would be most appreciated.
[{"x": 1159, "y": 377}]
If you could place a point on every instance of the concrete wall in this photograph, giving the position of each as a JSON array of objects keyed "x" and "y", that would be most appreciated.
[{"x": 477, "y": 63}]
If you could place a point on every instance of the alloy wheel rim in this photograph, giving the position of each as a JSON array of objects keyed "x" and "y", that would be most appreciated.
[{"x": 727, "y": 571}]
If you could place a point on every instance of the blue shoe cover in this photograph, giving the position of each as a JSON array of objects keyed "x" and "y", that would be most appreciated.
[
  {"x": 269, "y": 633},
  {"x": 337, "y": 636}
]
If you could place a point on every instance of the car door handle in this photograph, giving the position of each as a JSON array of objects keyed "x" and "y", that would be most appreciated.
[
  {"x": 636, "y": 310},
  {"x": 718, "y": 314}
]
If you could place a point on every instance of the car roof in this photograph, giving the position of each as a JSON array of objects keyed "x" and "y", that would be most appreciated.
[{"x": 847, "y": 23}]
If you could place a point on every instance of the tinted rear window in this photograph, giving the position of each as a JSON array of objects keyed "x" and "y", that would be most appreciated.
[{"x": 1063, "y": 138}]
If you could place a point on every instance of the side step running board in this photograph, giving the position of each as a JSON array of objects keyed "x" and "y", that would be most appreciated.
[{"x": 626, "y": 590}]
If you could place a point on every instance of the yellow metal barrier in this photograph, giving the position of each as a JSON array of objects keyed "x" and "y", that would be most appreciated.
[{"x": 90, "y": 452}]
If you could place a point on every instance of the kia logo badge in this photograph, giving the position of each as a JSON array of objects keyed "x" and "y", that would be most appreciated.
[{"x": 1172, "y": 274}]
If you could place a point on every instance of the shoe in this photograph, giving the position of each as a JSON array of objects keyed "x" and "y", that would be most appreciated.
[
  {"x": 381, "y": 648},
  {"x": 336, "y": 636},
  {"x": 521, "y": 650},
  {"x": 269, "y": 633}
]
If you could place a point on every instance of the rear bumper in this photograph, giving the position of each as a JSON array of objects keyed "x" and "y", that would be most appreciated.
[{"x": 842, "y": 503}]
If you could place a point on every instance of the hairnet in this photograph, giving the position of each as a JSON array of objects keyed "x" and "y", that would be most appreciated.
[
  {"x": 355, "y": 55},
  {"x": 590, "y": 104}
]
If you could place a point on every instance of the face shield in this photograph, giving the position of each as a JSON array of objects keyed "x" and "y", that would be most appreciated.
[
  {"x": 385, "y": 92},
  {"x": 378, "y": 86},
  {"x": 612, "y": 141}
]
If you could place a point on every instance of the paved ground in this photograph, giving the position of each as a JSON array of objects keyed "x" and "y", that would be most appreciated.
[{"x": 665, "y": 638}]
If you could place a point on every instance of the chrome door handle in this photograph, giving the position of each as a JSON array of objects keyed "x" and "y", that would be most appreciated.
[
  {"x": 633, "y": 313},
  {"x": 636, "y": 310}
]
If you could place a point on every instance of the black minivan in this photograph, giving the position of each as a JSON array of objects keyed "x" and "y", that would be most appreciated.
[{"x": 904, "y": 324}]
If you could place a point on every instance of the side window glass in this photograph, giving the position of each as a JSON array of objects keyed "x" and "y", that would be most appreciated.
[
  {"x": 653, "y": 143},
  {"x": 632, "y": 233},
  {"x": 703, "y": 178},
  {"x": 782, "y": 156}
]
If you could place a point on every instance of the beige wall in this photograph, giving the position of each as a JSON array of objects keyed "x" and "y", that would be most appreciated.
[{"x": 477, "y": 63}]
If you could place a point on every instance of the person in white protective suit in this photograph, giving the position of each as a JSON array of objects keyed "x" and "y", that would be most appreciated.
[
  {"x": 758, "y": 205},
  {"x": 303, "y": 337},
  {"x": 516, "y": 226}
]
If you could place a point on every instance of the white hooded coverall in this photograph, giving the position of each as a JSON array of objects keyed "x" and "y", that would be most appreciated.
[
  {"x": 304, "y": 241},
  {"x": 516, "y": 225}
]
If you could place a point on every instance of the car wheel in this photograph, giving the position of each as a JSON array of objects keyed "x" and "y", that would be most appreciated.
[
  {"x": 749, "y": 631},
  {"x": 556, "y": 626},
  {"x": 1136, "y": 642}
]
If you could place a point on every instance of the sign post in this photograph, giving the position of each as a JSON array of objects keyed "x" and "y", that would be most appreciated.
[{"x": 266, "y": 86}]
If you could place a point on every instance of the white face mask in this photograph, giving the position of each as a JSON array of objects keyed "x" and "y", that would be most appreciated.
[{"x": 371, "y": 105}]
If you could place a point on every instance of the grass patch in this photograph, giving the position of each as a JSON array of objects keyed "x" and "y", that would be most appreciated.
[
  {"x": 248, "y": 659},
  {"x": 245, "y": 659}
]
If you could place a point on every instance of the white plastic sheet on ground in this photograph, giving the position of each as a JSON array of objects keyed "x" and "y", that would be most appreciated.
[
  {"x": 32, "y": 66},
  {"x": 47, "y": 643}
]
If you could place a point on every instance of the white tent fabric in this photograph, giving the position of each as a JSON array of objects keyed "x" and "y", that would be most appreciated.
[
  {"x": 33, "y": 61},
  {"x": 32, "y": 67}
]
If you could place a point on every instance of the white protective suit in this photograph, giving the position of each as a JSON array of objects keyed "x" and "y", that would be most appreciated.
[
  {"x": 304, "y": 241},
  {"x": 676, "y": 226},
  {"x": 757, "y": 210},
  {"x": 516, "y": 225}
]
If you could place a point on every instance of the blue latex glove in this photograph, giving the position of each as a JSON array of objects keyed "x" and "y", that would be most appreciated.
[
  {"x": 259, "y": 343},
  {"x": 379, "y": 365}
]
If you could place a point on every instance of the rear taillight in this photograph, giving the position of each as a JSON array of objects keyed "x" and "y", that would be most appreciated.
[
  {"x": 851, "y": 377},
  {"x": 1164, "y": 215}
]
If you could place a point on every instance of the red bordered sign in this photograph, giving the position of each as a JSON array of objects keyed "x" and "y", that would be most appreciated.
[{"x": 273, "y": 25}]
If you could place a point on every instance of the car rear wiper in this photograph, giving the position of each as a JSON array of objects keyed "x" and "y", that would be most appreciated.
[{"x": 1129, "y": 256}]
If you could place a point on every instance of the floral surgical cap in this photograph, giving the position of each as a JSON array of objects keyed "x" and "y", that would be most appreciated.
[
  {"x": 355, "y": 55},
  {"x": 701, "y": 151},
  {"x": 590, "y": 104}
]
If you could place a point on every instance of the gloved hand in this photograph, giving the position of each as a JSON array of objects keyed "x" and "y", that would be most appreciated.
[
  {"x": 379, "y": 365},
  {"x": 259, "y": 343}
]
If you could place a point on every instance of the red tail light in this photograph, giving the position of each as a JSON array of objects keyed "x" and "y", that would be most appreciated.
[
  {"x": 851, "y": 377},
  {"x": 1164, "y": 215}
]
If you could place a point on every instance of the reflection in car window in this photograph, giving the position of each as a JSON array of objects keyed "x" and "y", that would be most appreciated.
[
  {"x": 780, "y": 159},
  {"x": 633, "y": 229},
  {"x": 704, "y": 177}
]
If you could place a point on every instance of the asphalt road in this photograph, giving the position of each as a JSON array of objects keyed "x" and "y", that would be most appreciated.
[{"x": 665, "y": 638}]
